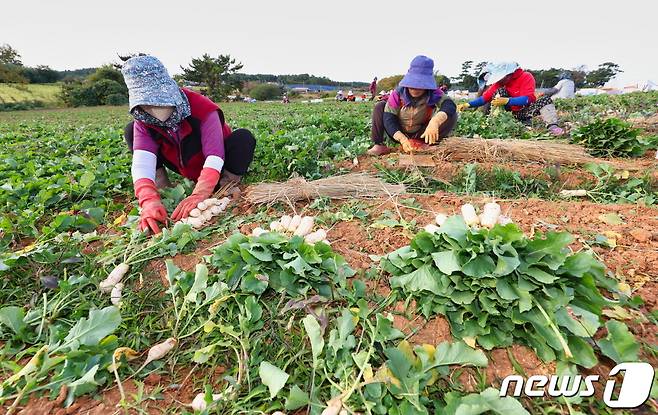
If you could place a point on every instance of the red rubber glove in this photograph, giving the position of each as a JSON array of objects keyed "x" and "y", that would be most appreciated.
[
  {"x": 152, "y": 209},
  {"x": 208, "y": 179}
]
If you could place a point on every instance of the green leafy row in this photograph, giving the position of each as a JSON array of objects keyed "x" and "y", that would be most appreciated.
[{"x": 498, "y": 286}]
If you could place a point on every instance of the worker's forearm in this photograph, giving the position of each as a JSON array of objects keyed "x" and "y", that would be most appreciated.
[
  {"x": 477, "y": 102},
  {"x": 519, "y": 101}
]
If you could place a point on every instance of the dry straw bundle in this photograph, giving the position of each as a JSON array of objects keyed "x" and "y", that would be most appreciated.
[
  {"x": 353, "y": 185},
  {"x": 490, "y": 150}
]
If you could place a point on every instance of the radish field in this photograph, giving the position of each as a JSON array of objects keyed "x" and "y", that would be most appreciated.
[{"x": 387, "y": 316}]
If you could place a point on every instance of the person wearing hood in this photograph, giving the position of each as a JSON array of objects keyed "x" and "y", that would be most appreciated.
[
  {"x": 373, "y": 89},
  {"x": 183, "y": 131},
  {"x": 415, "y": 114},
  {"x": 514, "y": 89},
  {"x": 565, "y": 88}
]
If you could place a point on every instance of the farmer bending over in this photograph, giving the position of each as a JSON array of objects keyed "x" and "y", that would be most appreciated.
[
  {"x": 183, "y": 131},
  {"x": 417, "y": 110},
  {"x": 514, "y": 89}
]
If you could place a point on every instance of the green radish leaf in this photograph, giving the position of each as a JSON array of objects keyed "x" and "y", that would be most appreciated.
[
  {"x": 620, "y": 344},
  {"x": 272, "y": 377},
  {"x": 89, "y": 331}
]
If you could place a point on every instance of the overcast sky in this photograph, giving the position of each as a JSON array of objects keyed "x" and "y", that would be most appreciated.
[{"x": 344, "y": 40}]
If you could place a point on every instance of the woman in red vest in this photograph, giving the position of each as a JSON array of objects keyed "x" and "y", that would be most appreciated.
[{"x": 183, "y": 131}]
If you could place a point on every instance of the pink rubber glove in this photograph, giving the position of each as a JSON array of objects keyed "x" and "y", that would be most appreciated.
[
  {"x": 208, "y": 179},
  {"x": 152, "y": 209}
]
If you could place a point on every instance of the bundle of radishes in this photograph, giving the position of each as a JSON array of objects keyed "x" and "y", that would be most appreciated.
[
  {"x": 205, "y": 211},
  {"x": 296, "y": 225},
  {"x": 489, "y": 217}
]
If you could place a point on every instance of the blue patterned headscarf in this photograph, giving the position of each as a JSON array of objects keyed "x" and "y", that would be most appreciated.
[{"x": 149, "y": 83}]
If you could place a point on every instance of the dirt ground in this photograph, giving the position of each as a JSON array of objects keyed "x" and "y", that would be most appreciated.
[{"x": 633, "y": 260}]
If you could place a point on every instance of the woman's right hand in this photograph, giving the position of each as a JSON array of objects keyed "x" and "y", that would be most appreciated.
[
  {"x": 401, "y": 138},
  {"x": 153, "y": 212}
]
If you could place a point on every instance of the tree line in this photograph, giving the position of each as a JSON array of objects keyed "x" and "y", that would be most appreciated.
[{"x": 218, "y": 77}]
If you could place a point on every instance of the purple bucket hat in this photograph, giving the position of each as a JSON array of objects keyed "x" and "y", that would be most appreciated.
[{"x": 420, "y": 74}]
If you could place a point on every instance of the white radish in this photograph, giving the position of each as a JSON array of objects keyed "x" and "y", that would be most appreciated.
[
  {"x": 115, "y": 295},
  {"x": 195, "y": 213},
  {"x": 305, "y": 226},
  {"x": 202, "y": 205},
  {"x": 213, "y": 201},
  {"x": 206, "y": 215},
  {"x": 489, "y": 216},
  {"x": 504, "y": 220},
  {"x": 258, "y": 231},
  {"x": 469, "y": 215},
  {"x": 285, "y": 221},
  {"x": 431, "y": 228},
  {"x": 440, "y": 219},
  {"x": 294, "y": 223},
  {"x": 216, "y": 210},
  {"x": 199, "y": 401},
  {"x": 114, "y": 277},
  {"x": 223, "y": 202},
  {"x": 276, "y": 226},
  {"x": 316, "y": 236},
  {"x": 196, "y": 222}
]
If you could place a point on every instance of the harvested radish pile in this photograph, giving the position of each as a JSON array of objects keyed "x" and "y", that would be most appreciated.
[
  {"x": 205, "y": 211},
  {"x": 297, "y": 226},
  {"x": 497, "y": 285}
]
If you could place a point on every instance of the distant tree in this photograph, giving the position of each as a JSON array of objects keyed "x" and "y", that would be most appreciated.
[
  {"x": 103, "y": 87},
  {"x": 605, "y": 72},
  {"x": 41, "y": 74},
  {"x": 10, "y": 73},
  {"x": 9, "y": 55},
  {"x": 265, "y": 92},
  {"x": 388, "y": 83},
  {"x": 218, "y": 74},
  {"x": 466, "y": 79},
  {"x": 107, "y": 72}
]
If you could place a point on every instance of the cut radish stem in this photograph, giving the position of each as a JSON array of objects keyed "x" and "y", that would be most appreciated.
[
  {"x": 504, "y": 220},
  {"x": 489, "y": 216},
  {"x": 115, "y": 295},
  {"x": 114, "y": 277},
  {"x": 316, "y": 236},
  {"x": 258, "y": 231},
  {"x": 440, "y": 219},
  {"x": 294, "y": 223},
  {"x": 285, "y": 222},
  {"x": 431, "y": 228},
  {"x": 213, "y": 201},
  {"x": 199, "y": 402},
  {"x": 195, "y": 213},
  {"x": 305, "y": 226},
  {"x": 202, "y": 205},
  {"x": 276, "y": 226},
  {"x": 469, "y": 215},
  {"x": 216, "y": 210}
]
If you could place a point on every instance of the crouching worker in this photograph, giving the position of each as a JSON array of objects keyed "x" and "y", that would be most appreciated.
[
  {"x": 180, "y": 130},
  {"x": 416, "y": 114},
  {"x": 514, "y": 89}
]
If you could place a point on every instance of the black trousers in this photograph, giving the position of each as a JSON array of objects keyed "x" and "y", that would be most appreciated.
[
  {"x": 378, "y": 132},
  {"x": 239, "y": 150}
]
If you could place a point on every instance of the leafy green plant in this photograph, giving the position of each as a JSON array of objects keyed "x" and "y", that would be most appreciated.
[
  {"x": 614, "y": 186},
  {"x": 285, "y": 264},
  {"x": 479, "y": 125},
  {"x": 498, "y": 286},
  {"x": 611, "y": 137}
]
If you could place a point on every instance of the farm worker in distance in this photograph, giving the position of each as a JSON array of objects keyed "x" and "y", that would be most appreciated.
[
  {"x": 482, "y": 79},
  {"x": 182, "y": 130},
  {"x": 514, "y": 89},
  {"x": 350, "y": 96},
  {"x": 373, "y": 89},
  {"x": 565, "y": 88},
  {"x": 416, "y": 111},
  {"x": 340, "y": 96}
]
